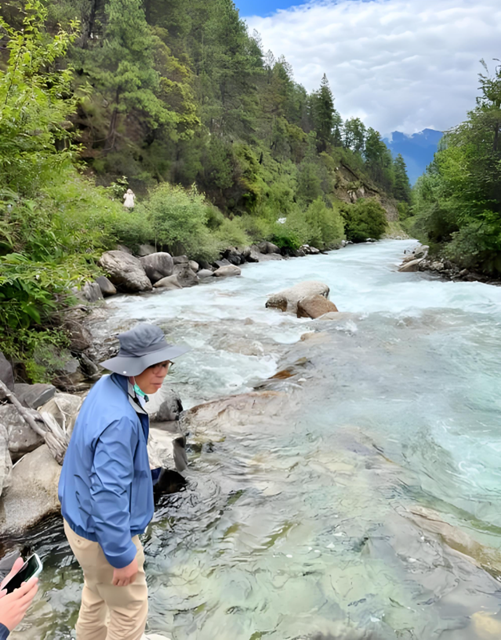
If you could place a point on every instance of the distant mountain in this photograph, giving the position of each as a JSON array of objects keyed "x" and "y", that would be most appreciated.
[{"x": 417, "y": 149}]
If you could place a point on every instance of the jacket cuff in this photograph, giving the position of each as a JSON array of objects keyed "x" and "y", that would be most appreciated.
[
  {"x": 4, "y": 632},
  {"x": 122, "y": 560}
]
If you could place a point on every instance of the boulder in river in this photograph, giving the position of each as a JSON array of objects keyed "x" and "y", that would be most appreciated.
[
  {"x": 205, "y": 273},
  {"x": 32, "y": 492},
  {"x": 106, "y": 286},
  {"x": 194, "y": 266},
  {"x": 158, "y": 265},
  {"x": 412, "y": 265},
  {"x": 229, "y": 270},
  {"x": 20, "y": 436},
  {"x": 169, "y": 283},
  {"x": 34, "y": 395},
  {"x": 186, "y": 277},
  {"x": 314, "y": 306},
  {"x": 6, "y": 374},
  {"x": 287, "y": 300},
  {"x": 125, "y": 271}
]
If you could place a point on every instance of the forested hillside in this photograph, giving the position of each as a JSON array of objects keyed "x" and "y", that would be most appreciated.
[
  {"x": 457, "y": 202},
  {"x": 176, "y": 100}
]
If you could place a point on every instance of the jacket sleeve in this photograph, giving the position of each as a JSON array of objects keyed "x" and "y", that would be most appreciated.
[
  {"x": 4, "y": 632},
  {"x": 111, "y": 480}
]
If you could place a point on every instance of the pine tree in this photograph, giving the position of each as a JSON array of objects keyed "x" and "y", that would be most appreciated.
[
  {"x": 323, "y": 114},
  {"x": 402, "y": 188},
  {"x": 123, "y": 68}
]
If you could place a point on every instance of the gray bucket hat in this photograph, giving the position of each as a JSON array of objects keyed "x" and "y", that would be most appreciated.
[{"x": 140, "y": 348}]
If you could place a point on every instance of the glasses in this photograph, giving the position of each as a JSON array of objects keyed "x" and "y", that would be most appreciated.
[{"x": 156, "y": 368}]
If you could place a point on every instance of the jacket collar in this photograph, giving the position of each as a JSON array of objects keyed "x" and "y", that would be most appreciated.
[{"x": 124, "y": 383}]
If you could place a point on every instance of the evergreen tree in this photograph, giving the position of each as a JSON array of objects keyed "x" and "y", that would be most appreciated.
[
  {"x": 323, "y": 114},
  {"x": 123, "y": 69},
  {"x": 402, "y": 188}
]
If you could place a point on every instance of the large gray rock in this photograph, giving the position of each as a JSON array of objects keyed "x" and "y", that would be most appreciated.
[
  {"x": 64, "y": 407},
  {"x": 194, "y": 266},
  {"x": 125, "y": 271},
  {"x": 91, "y": 291},
  {"x": 186, "y": 277},
  {"x": 287, "y": 300},
  {"x": 167, "y": 407},
  {"x": 106, "y": 286},
  {"x": 411, "y": 266},
  {"x": 31, "y": 494},
  {"x": 169, "y": 283},
  {"x": 268, "y": 247},
  {"x": 5, "y": 461},
  {"x": 205, "y": 273},
  {"x": 234, "y": 256},
  {"x": 229, "y": 270},
  {"x": 21, "y": 437},
  {"x": 6, "y": 374},
  {"x": 34, "y": 395},
  {"x": 146, "y": 250},
  {"x": 158, "y": 265}
]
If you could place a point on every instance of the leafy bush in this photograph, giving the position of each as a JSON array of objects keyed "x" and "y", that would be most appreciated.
[
  {"x": 178, "y": 220},
  {"x": 364, "y": 219},
  {"x": 324, "y": 223}
]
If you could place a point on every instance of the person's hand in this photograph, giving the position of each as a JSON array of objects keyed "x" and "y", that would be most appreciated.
[
  {"x": 126, "y": 576},
  {"x": 15, "y": 568},
  {"x": 14, "y": 605}
]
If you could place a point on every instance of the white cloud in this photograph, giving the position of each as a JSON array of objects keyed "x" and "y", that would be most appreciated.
[{"x": 399, "y": 64}]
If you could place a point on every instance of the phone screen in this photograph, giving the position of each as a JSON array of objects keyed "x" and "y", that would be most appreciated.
[{"x": 27, "y": 571}]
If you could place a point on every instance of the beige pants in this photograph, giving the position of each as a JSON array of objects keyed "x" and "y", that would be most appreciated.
[{"x": 108, "y": 612}]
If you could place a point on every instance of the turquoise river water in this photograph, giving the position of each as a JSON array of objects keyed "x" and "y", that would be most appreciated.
[{"x": 371, "y": 501}]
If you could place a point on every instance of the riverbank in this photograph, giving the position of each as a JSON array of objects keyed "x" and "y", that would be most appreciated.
[{"x": 418, "y": 260}]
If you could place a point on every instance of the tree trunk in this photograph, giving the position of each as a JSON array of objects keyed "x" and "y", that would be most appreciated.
[{"x": 89, "y": 30}]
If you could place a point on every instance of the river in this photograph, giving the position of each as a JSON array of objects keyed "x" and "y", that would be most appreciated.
[{"x": 371, "y": 499}]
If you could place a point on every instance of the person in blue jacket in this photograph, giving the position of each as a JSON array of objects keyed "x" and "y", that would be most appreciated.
[
  {"x": 106, "y": 487},
  {"x": 13, "y": 606}
]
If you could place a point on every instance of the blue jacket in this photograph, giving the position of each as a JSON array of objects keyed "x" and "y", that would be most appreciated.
[
  {"x": 4, "y": 632},
  {"x": 106, "y": 486}
]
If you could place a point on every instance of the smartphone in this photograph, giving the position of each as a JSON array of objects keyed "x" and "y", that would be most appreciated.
[{"x": 30, "y": 569}]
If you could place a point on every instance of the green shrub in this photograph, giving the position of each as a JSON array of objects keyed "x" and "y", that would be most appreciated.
[
  {"x": 364, "y": 219},
  {"x": 232, "y": 234},
  {"x": 178, "y": 219},
  {"x": 325, "y": 224}
]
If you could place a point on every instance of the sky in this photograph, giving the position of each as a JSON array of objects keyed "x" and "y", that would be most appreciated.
[{"x": 399, "y": 65}]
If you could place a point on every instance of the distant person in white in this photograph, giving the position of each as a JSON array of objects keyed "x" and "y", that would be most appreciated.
[{"x": 129, "y": 198}]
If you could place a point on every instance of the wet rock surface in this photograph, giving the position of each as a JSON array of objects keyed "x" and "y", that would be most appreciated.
[{"x": 314, "y": 307}]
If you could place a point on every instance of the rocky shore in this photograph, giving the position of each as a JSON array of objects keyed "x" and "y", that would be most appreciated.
[
  {"x": 36, "y": 420},
  {"x": 418, "y": 260}
]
